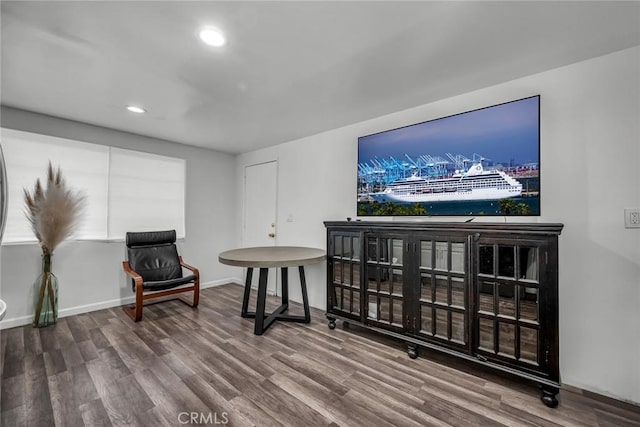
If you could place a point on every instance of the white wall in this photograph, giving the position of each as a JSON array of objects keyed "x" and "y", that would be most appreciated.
[
  {"x": 590, "y": 157},
  {"x": 90, "y": 273}
]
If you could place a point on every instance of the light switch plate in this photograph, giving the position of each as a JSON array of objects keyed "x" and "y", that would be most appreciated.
[{"x": 632, "y": 218}]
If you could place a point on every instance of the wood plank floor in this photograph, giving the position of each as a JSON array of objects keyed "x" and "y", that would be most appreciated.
[{"x": 181, "y": 366}]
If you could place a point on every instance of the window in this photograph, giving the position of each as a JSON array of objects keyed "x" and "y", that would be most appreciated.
[
  {"x": 146, "y": 193},
  {"x": 125, "y": 190}
]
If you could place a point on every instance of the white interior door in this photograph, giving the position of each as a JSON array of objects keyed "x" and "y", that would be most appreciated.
[{"x": 260, "y": 196}]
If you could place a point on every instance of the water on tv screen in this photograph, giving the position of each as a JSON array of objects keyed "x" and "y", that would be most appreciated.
[{"x": 481, "y": 162}]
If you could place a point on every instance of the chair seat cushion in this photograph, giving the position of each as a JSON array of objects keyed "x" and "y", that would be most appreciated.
[{"x": 167, "y": 284}]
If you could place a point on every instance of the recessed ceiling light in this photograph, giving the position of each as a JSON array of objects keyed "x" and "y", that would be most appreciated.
[
  {"x": 212, "y": 36},
  {"x": 135, "y": 109}
]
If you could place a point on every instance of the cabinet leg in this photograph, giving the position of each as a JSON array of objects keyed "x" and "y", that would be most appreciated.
[
  {"x": 548, "y": 396},
  {"x": 412, "y": 350},
  {"x": 332, "y": 323}
]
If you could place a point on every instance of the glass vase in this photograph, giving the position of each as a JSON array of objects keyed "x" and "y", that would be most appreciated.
[{"x": 45, "y": 296}]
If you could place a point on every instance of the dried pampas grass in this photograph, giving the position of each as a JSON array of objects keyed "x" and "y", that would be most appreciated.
[{"x": 53, "y": 211}]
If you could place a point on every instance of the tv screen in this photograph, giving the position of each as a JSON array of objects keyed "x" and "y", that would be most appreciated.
[{"x": 481, "y": 162}]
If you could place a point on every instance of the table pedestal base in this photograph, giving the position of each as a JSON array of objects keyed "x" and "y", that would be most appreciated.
[{"x": 264, "y": 320}]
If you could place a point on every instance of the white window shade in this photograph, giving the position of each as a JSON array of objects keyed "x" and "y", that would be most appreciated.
[
  {"x": 147, "y": 192},
  {"x": 125, "y": 190},
  {"x": 84, "y": 168}
]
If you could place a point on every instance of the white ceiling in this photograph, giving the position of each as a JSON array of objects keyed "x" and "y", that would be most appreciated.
[{"x": 290, "y": 69}]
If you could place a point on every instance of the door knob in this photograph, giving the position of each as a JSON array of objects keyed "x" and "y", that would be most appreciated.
[{"x": 272, "y": 235}]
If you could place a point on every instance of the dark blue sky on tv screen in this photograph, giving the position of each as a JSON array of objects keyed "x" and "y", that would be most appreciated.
[{"x": 502, "y": 133}]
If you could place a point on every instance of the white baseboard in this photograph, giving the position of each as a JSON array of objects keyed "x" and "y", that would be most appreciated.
[
  {"x": 15, "y": 321},
  {"x": 26, "y": 320},
  {"x": 236, "y": 281}
]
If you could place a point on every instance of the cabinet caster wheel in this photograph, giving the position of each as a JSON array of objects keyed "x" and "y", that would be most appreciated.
[
  {"x": 332, "y": 323},
  {"x": 412, "y": 351},
  {"x": 549, "y": 398}
]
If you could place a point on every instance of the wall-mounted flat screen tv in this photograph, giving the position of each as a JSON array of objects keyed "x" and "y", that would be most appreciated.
[{"x": 481, "y": 162}]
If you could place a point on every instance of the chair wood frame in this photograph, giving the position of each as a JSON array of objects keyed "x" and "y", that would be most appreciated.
[{"x": 135, "y": 311}]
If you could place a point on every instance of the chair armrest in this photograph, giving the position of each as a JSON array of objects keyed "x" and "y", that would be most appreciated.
[
  {"x": 188, "y": 267},
  {"x": 135, "y": 276}
]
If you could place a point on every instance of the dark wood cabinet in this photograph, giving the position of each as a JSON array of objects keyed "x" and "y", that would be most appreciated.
[{"x": 485, "y": 292}]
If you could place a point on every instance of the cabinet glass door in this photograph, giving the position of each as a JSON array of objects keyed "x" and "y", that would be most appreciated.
[
  {"x": 344, "y": 294},
  {"x": 443, "y": 290},
  {"x": 385, "y": 281},
  {"x": 508, "y": 301}
]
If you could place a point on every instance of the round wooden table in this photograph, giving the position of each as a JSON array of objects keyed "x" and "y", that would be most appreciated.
[{"x": 266, "y": 257}]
